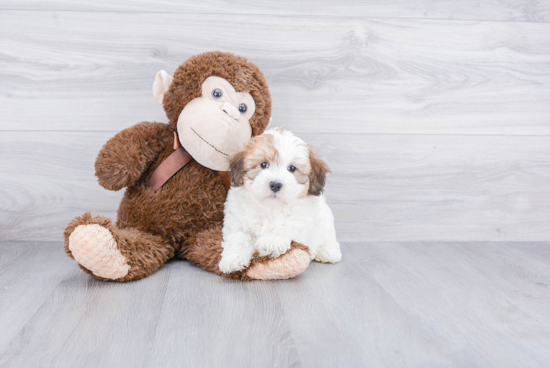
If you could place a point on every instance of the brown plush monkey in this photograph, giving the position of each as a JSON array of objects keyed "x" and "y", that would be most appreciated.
[{"x": 173, "y": 204}]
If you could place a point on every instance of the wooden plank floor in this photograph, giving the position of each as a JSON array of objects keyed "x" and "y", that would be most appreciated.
[
  {"x": 382, "y": 187},
  {"x": 386, "y": 305},
  {"x": 509, "y": 10},
  {"x": 433, "y": 116}
]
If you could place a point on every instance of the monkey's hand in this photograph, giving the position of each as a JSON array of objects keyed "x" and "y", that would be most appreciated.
[{"x": 123, "y": 159}]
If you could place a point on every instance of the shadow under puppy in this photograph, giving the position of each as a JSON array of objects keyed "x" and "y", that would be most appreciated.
[{"x": 276, "y": 198}]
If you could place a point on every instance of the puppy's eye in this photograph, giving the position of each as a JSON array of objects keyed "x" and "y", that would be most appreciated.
[
  {"x": 217, "y": 93},
  {"x": 242, "y": 108},
  {"x": 291, "y": 168},
  {"x": 264, "y": 165}
]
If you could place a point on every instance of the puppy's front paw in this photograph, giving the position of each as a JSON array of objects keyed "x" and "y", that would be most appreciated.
[
  {"x": 272, "y": 246},
  {"x": 329, "y": 255},
  {"x": 233, "y": 262}
]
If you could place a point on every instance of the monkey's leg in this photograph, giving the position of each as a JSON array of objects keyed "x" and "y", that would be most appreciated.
[
  {"x": 109, "y": 253},
  {"x": 205, "y": 251}
]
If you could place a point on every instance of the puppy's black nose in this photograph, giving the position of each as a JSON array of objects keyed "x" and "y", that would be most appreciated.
[{"x": 275, "y": 186}]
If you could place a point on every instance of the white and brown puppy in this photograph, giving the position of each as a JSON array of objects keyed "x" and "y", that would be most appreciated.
[{"x": 276, "y": 197}]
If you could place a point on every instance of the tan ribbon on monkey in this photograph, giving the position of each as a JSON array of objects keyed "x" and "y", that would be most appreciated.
[{"x": 173, "y": 163}]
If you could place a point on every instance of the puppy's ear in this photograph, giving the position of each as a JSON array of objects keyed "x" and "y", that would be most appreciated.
[
  {"x": 236, "y": 167},
  {"x": 318, "y": 173}
]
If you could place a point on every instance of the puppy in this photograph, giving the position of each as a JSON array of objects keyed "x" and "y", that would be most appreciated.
[{"x": 276, "y": 197}]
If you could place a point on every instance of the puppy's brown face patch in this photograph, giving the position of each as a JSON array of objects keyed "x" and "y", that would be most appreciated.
[
  {"x": 278, "y": 166},
  {"x": 236, "y": 167},
  {"x": 262, "y": 151},
  {"x": 301, "y": 174},
  {"x": 247, "y": 162}
]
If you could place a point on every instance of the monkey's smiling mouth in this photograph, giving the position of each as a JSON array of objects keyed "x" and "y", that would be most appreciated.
[{"x": 205, "y": 141}]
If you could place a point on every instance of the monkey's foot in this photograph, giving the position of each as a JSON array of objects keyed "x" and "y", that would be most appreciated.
[
  {"x": 109, "y": 253},
  {"x": 93, "y": 246},
  {"x": 286, "y": 266},
  {"x": 205, "y": 250}
]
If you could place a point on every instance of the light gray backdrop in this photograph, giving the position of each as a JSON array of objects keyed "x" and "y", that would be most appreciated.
[{"x": 435, "y": 120}]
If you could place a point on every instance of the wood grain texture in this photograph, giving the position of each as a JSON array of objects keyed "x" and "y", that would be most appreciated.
[
  {"x": 540, "y": 252},
  {"x": 387, "y": 304},
  {"x": 29, "y": 273},
  {"x": 433, "y": 116},
  {"x": 435, "y": 129},
  {"x": 382, "y": 187},
  {"x": 452, "y": 290},
  {"x": 47, "y": 180},
  {"x": 509, "y": 10},
  {"x": 91, "y": 71},
  {"x": 83, "y": 322},
  {"x": 226, "y": 324}
]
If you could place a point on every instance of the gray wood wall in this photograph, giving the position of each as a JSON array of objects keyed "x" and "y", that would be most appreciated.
[{"x": 434, "y": 116}]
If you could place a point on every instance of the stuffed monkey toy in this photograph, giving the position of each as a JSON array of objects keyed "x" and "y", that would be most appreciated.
[{"x": 176, "y": 177}]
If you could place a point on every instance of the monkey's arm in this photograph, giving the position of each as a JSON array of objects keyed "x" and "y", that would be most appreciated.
[{"x": 123, "y": 158}]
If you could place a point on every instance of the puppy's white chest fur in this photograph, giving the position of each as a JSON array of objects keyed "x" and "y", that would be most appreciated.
[{"x": 301, "y": 221}]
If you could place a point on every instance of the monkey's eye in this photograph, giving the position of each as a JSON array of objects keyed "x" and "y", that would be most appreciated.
[
  {"x": 242, "y": 108},
  {"x": 217, "y": 93},
  {"x": 264, "y": 165},
  {"x": 291, "y": 168}
]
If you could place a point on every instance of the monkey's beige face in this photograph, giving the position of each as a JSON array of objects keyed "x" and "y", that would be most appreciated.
[{"x": 215, "y": 125}]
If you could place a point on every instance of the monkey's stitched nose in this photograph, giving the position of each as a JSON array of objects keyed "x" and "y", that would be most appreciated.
[{"x": 231, "y": 110}]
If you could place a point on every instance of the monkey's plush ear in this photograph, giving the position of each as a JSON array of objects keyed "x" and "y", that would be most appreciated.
[{"x": 161, "y": 84}]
